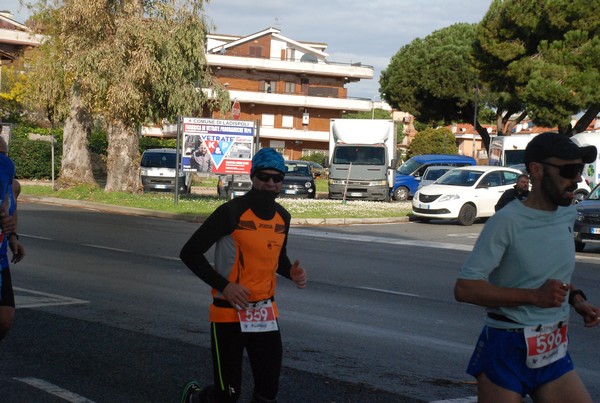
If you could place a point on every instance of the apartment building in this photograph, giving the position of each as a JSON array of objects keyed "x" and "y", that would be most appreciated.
[
  {"x": 288, "y": 86},
  {"x": 14, "y": 38}
]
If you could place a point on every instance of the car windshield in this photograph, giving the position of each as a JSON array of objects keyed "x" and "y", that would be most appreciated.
[
  {"x": 298, "y": 170},
  {"x": 433, "y": 174},
  {"x": 359, "y": 155},
  {"x": 459, "y": 177},
  {"x": 514, "y": 157},
  {"x": 159, "y": 160},
  {"x": 409, "y": 167},
  {"x": 594, "y": 194}
]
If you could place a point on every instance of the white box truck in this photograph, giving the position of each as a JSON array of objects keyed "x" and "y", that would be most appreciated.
[
  {"x": 362, "y": 158},
  {"x": 508, "y": 150},
  {"x": 591, "y": 172}
]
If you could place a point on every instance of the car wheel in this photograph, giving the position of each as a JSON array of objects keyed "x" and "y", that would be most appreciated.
[
  {"x": 401, "y": 193},
  {"x": 579, "y": 246},
  {"x": 467, "y": 215}
]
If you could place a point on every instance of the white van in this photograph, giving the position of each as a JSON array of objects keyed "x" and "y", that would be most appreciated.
[
  {"x": 591, "y": 172},
  {"x": 508, "y": 150},
  {"x": 158, "y": 170}
]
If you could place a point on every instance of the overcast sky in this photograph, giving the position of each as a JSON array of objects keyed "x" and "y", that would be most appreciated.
[{"x": 366, "y": 31}]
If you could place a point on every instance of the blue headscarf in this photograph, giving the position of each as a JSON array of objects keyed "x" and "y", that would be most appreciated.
[{"x": 268, "y": 158}]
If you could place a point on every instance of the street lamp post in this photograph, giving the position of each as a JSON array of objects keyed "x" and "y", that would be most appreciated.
[
  {"x": 373, "y": 104},
  {"x": 373, "y": 107}
]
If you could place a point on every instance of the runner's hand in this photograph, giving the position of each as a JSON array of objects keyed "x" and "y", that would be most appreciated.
[
  {"x": 589, "y": 312},
  {"x": 17, "y": 249},
  {"x": 237, "y": 295},
  {"x": 298, "y": 275},
  {"x": 552, "y": 294}
]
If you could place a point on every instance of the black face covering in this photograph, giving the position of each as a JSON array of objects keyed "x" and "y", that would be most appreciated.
[
  {"x": 265, "y": 196},
  {"x": 262, "y": 202}
]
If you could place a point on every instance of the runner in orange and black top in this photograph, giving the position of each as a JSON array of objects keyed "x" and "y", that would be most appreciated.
[{"x": 250, "y": 233}]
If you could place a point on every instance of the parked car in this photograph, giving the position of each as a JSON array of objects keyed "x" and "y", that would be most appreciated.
[
  {"x": 158, "y": 168},
  {"x": 408, "y": 175},
  {"x": 433, "y": 173},
  {"x": 583, "y": 188},
  {"x": 316, "y": 169},
  {"x": 464, "y": 193},
  {"x": 587, "y": 224},
  {"x": 240, "y": 185},
  {"x": 298, "y": 181}
]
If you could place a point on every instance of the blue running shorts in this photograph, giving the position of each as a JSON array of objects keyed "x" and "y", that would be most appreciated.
[{"x": 501, "y": 354}]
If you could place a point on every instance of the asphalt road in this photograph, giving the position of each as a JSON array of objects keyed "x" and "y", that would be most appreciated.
[{"x": 107, "y": 313}]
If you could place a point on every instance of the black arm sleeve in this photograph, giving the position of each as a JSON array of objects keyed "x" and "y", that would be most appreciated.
[
  {"x": 217, "y": 225},
  {"x": 285, "y": 265}
]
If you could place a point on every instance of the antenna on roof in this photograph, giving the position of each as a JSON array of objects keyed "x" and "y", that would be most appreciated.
[{"x": 277, "y": 23}]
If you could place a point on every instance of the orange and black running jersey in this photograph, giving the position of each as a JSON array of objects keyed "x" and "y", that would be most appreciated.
[{"x": 250, "y": 233}]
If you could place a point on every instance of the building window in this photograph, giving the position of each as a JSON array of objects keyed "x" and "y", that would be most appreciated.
[
  {"x": 269, "y": 86},
  {"x": 268, "y": 120},
  {"x": 290, "y": 54},
  {"x": 255, "y": 51},
  {"x": 290, "y": 88},
  {"x": 278, "y": 145},
  {"x": 287, "y": 121}
]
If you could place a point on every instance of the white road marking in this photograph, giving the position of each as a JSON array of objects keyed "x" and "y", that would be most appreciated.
[
  {"x": 388, "y": 291},
  {"x": 469, "y": 235},
  {"x": 105, "y": 247},
  {"x": 54, "y": 390},
  {"x": 36, "y": 237},
  {"x": 25, "y": 298},
  {"x": 170, "y": 258},
  {"x": 367, "y": 238}
]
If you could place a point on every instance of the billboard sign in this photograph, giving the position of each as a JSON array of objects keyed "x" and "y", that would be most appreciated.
[{"x": 217, "y": 146}]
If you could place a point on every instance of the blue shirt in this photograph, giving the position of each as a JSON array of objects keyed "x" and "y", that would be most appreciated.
[{"x": 7, "y": 173}]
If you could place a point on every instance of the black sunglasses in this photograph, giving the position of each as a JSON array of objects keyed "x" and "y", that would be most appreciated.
[
  {"x": 568, "y": 171},
  {"x": 264, "y": 177}
]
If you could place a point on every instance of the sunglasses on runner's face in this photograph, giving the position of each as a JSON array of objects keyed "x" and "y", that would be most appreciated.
[
  {"x": 567, "y": 171},
  {"x": 264, "y": 177}
]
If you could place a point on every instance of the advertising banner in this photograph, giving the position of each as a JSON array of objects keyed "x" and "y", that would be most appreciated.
[{"x": 218, "y": 146}]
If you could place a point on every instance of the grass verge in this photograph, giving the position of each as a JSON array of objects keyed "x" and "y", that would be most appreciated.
[{"x": 204, "y": 205}]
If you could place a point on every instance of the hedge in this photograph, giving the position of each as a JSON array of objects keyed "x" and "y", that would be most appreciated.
[{"x": 33, "y": 158}]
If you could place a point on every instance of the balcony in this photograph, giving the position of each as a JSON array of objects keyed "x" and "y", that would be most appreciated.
[
  {"x": 352, "y": 72},
  {"x": 300, "y": 101}
]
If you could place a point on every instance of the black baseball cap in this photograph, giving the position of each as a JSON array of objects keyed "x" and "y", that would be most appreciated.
[{"x": 549, "y": 144}]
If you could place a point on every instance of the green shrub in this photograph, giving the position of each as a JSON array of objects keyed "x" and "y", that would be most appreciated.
[
  {"x": 155, "y": 142},
  {"x": 98, "y": 142},
  {"x": 319, "y": 158},
  {"x": 33, "y": 159}
]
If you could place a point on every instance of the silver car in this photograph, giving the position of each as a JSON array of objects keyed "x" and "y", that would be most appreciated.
[{"x": 432, "y": 173}]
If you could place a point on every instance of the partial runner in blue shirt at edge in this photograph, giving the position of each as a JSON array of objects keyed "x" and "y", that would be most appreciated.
[
  {"x": 520, "y": 269},
  {"x": 10, "y": 188}
]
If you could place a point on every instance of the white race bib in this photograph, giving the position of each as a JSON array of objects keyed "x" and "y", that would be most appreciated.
[
  {"x": 258, "y": 317},
  {"x": 545, "y": 344}
]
